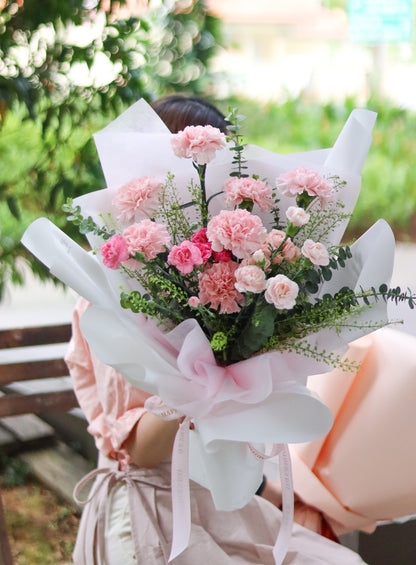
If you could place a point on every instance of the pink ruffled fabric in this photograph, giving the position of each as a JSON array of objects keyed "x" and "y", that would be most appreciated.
[
  {"x": 111, "y": 405},
  {"x": 108, "y": 536}
]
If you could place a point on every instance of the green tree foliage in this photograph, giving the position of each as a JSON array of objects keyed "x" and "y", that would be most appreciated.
[{"x": 66, "y": 70}]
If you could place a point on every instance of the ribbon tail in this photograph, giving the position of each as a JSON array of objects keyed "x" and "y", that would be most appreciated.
[
  {"x": 283, "y": 539},
  {"x": 181, "y": 503}
]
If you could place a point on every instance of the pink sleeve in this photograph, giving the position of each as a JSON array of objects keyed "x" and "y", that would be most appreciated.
[{"x": 111, "y": 405}]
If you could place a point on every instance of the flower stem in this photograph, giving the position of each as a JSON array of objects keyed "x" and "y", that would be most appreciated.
[{"x": 204, "y": 205}]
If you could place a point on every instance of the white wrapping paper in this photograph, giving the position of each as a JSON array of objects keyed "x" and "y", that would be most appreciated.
[{"x": 261, "y": 400}]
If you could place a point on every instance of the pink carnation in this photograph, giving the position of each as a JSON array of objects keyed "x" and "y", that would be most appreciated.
[
  {"x": 217, "y": 287},
  {"x": 198, "y": 143},
  {"x": 200, "y": 239},
  {"x": 298, "y": 216},
  {"x": 147, "y": 237},
  {"x": 238, "y": 231},
  {"x": 274, "y": 240},
  {"x": 132, "y": 264},
  {"x": 304, "y": 180},
  {"x": 250, "y": 278},
  {"x": 247, "y": 188},
  {"x": 316, "y": 252},
  {"x": 290, "y": 251},
  {"x": 194, "y": 301},
  {"x": 114, "y": 251},
  {"x": 138, "y": 197},
  {"x": 185, "y": 257},
  {"x": 282, "y": 292}
]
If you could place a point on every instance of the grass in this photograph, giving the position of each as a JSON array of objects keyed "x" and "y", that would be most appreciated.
[{"x": 42, "y": 529}]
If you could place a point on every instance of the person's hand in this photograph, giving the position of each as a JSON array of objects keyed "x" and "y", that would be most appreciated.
[{"x": 151, "y": 440}]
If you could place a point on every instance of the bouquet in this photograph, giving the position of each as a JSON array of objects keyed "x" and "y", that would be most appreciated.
[
  {"x": 218, "y": 268},
  {"x": 250, "y": 289}
]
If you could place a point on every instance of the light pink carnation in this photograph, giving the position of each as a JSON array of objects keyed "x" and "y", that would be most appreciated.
[
  {"x": 138, "y": 197},
  {"x": 185, "y": 257},
  {"x": 198, "y": 143},
  {"x": 132, "y": 264},
  {"x": 147, "y": 237},
  {"x": 298, "y": 216},
  {"x": 114, "y": 251},
  {"x": 290, "y": 251},
  {"x": 259, "y": 256},
  {"x": 316, "y": 252},
  {"x": 274, "y": 240},
  {"x": 194, "y": 301},
  {"x": 217, "y": 287},
  {"x": 305, "y": 180},
  {"x": 250, "y": 278},
  {"x": 282, "y": 292},
  {"x": 238, "y": 231},
  {"x": 247, "y": 188}
]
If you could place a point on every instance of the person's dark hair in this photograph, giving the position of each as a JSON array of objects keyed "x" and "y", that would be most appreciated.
[{"x": 179, "y": 111}]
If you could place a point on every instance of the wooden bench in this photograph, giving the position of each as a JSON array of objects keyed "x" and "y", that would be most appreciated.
[{"x": 29, "y": 354}]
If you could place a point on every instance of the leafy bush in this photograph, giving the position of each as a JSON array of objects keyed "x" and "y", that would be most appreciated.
[
  {"x": 389, "y": 173},
  {"x": 47, "y": 117}
]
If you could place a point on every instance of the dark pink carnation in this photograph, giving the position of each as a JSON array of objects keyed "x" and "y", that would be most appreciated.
[
  {"x": 217, "y": 287},
  {"x": 223, "y": 255},
  {"x": 114, "y": 251},
  {"x": 185, "y": 257},
  {"x": 200, "y": 239}
]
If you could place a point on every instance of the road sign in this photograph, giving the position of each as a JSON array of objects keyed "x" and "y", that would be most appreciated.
[{"x": 381, "y": 21}]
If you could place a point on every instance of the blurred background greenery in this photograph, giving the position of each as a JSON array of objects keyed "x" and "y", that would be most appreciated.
[{"x": 58, "y": 86}]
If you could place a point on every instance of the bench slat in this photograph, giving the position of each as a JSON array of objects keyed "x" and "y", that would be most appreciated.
[
  {"x": 29, "y": 370},
  {"x": 25, "y": 337},
  {"x": 14, "y": 404}
]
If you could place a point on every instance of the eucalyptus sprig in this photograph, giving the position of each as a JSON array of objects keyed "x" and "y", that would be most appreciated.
[
  {"x": 85, "y": 225},
  {"x": 238, "y": 162},
  {"x": 395, "y": 295}
]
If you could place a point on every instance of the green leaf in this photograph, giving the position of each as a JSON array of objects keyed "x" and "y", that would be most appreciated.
[
  {"x": 255, "y": 334},
  {"x": 312, "y": 276},
  {"x": 326, "y": 273},
  {"x": 311, "y": 287},
  {"x": 13, "y": 207}
]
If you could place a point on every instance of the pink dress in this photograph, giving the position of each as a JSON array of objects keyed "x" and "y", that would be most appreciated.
[{"x": 128, "y": 519}]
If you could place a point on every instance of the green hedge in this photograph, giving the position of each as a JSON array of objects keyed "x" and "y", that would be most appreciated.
[{"x": 389, "y": 173}]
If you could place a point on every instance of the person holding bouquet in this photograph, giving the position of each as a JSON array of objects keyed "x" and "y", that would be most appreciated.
[{"x": 128, "y": 516}]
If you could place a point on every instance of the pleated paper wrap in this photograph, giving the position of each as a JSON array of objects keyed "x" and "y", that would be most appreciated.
[{"x": 364, "y": 470}]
